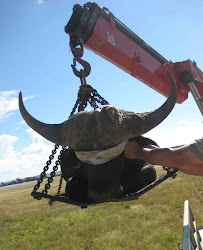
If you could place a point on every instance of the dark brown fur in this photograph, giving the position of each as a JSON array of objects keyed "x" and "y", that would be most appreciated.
[{"x": 106, "y": 181}]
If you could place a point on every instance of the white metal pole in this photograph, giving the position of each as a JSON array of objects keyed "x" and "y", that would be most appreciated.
[{"x": 196, "y": 95}]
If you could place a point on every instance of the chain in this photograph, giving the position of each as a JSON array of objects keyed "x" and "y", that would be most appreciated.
[
  {"x": 74, "y": 108},
  {"x": 100, "y": 99},
  {"x": 86, "y": 94},
  {"x": 45, "y": 169},
  {"x": 53, "y": 173},
  {"x": 89, "y": 95},
  {"x": 170, "y": 170},
  {"x": 180, "y": 245},
  {"x": 59, "y": 189},
  {"x": 60, "y": 184}
]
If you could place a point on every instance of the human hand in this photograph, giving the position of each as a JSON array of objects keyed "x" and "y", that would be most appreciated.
[{"x": 133, "y": 150}]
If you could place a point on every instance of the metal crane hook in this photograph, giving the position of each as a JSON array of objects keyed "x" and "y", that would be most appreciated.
[
  {"x": 78, "y": 53},
  {"x": 83, "y": 72}
]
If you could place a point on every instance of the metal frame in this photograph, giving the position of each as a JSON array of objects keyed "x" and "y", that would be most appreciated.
[
  {"x": 191, "y": 236},
  {"x": 170, "y": 173}
]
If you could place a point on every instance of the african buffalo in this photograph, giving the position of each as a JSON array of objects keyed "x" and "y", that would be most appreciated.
[
  {"x": 98, "y": 138},
  {"x": 86, "y": 182}
]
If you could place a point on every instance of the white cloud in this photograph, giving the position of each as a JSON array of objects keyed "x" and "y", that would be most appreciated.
[
  {"x": 184, "y": 123},
  {"x": 9, "y": 102},
  {"x": 28, "y": 97},
  {"x": 40, "y": 2},
  {"x": 22, "y": 122},
  {"x": 6, "y": 146},
  {"x": 28, "y": 162}
]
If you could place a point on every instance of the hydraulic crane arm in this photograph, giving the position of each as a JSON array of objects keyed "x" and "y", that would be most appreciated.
[{"x": 98, "y": 30}]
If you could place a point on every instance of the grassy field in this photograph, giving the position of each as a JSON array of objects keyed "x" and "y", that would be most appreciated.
[{"x": 154, "y": 221}]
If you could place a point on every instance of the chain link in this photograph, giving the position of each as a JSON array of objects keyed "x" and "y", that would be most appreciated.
[
  {"x": 74, "y": 108},
  {"x": 59, "y": 189},
  {"x": 45, "y": 169},
  {"x": 53, "y": 173},
  {"x": 180, "y": 245},
  {"x": 170, "y": 170},
  {"x": 86, "y": 94},
  {"x": 100, "y": 99}
]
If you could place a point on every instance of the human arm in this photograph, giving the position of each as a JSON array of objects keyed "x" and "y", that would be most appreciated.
[{"x": 181, "y": 158}]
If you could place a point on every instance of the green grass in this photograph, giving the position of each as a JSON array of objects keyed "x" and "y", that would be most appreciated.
[{"x": 154, "y": 221}]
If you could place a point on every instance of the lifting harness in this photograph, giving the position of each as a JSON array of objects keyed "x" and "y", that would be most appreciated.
[{"x": 86, "y": 94}]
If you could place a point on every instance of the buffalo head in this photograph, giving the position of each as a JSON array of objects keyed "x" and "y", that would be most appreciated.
[{"x": 102, "y": 128}]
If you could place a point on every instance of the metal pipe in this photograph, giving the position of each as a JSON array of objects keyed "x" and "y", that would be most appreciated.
[{"x": 196, "y": 95}]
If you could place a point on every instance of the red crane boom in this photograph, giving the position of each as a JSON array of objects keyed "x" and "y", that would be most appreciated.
[{"x": 98, "y": 30}]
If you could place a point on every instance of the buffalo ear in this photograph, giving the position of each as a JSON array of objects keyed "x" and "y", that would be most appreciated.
[
  {"x": 68, "y": 163},
  {"x": 144, "y": 141}
]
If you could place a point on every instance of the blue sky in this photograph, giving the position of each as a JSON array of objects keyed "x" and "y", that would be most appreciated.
[{"x": 35, "y": 58}]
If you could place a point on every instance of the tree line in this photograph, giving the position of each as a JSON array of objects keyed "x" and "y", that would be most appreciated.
[
  {"x": 27, "y": 179},
  {"x": 18, "y": 180}
]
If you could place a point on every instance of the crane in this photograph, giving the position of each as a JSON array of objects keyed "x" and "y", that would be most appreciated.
[{"x": 98, "y": 30}]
